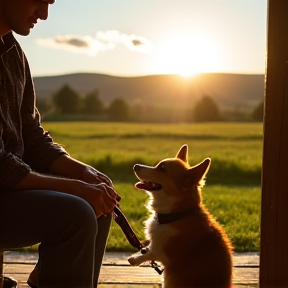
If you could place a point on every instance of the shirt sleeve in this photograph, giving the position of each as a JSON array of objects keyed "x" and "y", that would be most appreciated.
[
  {"x": 12, "y": 169},
  {"x": 39, "y": 148}
]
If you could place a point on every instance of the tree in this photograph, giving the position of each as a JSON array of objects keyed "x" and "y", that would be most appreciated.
[
  {"x": 43, "y": 106},
  {"x": 206, "y": 110},
  {"x": 258, "y": 112},
  {"x": 118, "y": 110},
  {"x": 92, "y": 103},
  {"x": 67, "y": 100}
]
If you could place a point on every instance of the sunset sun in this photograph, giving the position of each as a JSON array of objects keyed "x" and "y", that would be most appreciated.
[{"x": 187, "y": 55}]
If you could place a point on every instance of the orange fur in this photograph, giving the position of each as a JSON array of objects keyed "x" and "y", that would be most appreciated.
[{"x": 195, "y": 250}]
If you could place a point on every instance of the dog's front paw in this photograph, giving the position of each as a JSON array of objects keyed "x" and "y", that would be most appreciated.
[
  {"x": 144, "y": 250},
  {"x": 133, "y": 261}
]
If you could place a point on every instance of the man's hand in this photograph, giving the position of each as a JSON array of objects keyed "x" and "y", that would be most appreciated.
[
  {"x": 101, "y": 197},
  {"x": 91, "y": 175},
  {"x": 96, "y": 183}
]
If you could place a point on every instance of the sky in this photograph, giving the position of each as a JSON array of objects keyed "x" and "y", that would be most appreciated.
[{"x": 144, "y": 37}]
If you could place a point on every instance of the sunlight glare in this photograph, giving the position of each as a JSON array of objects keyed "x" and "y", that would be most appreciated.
[{"x": 188, "y": 55}]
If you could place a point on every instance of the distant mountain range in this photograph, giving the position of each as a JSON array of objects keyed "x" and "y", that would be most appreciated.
[{"x": 230, "y": 91}]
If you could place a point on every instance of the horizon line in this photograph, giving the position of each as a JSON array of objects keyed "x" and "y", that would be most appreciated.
[{"x": 145, "y": 75}]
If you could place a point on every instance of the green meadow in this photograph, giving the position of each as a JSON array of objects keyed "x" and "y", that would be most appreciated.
[{"x": 232, "y": 192}]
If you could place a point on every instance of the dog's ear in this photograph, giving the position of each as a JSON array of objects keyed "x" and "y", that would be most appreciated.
[
  {"x": 183, "y": 153},
  {"x": 197, "y": 173}
]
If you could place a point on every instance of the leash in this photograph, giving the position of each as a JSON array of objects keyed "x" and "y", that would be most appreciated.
[{"x": 122, "y": 221}]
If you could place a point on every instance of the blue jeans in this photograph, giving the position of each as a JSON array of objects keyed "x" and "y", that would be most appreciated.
[{"x": 72, "y": 240}]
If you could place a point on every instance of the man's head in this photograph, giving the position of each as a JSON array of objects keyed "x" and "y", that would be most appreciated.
[{"x": 21, "y": 15}]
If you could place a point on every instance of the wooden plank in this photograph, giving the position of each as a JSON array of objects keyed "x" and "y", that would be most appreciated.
[
  {"x": 117, "y": 273},
  {"x": 274, "y": 229},
  {"x": 124, "y": 275}
]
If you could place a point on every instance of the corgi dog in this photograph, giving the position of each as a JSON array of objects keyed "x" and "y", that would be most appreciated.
[{"x": 193, "y": 248}]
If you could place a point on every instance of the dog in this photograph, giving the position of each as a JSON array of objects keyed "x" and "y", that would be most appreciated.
[{"x": 193, "y": 248}]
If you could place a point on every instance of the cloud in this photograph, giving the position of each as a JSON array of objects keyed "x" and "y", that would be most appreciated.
[
  {"x": 77, "y": 44},
  {"x": 131, "y": 42},
  {"x": 103, "y": 41}
]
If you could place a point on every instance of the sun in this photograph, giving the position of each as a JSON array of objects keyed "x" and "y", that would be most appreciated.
[
  {"x": 188, "y": 73},
  {"x": 188, "y": 55}
]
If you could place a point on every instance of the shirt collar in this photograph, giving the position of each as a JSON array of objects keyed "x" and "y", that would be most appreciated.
[{"x": 6, "y": 43}]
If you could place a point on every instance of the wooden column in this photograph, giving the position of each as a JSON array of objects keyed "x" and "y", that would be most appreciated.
[
  {"x": 274, "y": 219},
  {"x": 1, "y": 268}
]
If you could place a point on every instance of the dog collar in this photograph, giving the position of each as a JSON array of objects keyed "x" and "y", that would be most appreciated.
[{"x": 175, "y": 216}]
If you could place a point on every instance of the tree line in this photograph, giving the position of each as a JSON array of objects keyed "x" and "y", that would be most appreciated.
[{"x": 68, "y": 104}]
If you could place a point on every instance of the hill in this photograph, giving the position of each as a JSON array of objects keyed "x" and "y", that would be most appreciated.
[{"x": 230, "y": 91}]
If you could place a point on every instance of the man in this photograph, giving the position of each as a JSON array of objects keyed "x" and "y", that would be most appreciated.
[{"x": 46, "y": 196}]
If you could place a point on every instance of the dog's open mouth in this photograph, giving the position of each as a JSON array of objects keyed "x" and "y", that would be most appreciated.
[{"x": 148, "y": 186}]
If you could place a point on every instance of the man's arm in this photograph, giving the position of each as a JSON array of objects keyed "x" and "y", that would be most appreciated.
[
  {"x": 101, "y": 197},
  {"x": 69, "y": 167}
]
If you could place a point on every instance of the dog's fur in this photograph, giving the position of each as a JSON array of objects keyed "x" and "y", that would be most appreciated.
[{"x": 195, "y": 251}]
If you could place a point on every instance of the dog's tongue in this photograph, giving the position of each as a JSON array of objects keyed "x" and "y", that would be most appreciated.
[
  {"x": 148, "y": 186},
  {"x": 140, "y": 185}
]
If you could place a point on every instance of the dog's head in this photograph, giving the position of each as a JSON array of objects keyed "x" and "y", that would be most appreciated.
[{"x": 172, "y": 183}]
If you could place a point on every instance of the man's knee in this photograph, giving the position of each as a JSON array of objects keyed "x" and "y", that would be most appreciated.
[
  {"x": 72, "y": 216},
  {"x": 82, "y": 213}
]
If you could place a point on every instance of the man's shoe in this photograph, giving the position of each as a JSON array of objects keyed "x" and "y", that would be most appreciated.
[{"x": 9, "y": 283}]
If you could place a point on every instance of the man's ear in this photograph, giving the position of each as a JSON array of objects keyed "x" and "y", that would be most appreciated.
[
  {"x": 183, "y": 153},
  {"x": 197, "y": 173}
]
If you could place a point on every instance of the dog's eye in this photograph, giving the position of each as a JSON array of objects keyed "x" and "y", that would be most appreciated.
[{"x": 162, "y": 166}]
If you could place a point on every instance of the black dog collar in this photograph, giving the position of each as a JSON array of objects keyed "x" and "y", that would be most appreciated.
[{"x": 175, "y": 216}]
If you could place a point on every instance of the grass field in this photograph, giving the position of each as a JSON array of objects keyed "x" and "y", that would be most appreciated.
[{"x": 232, "y": 191}]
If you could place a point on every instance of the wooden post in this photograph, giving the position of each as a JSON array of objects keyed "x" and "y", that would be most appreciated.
[
  {"x": 1, "y": 269},
  {"x": 274, "y": 219}
]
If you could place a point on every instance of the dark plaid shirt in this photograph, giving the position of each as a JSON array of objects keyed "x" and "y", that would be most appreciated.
[{"x": 24, "y": 145}]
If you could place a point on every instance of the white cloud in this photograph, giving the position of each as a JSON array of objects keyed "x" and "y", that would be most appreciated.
[
  {"x": 103, "y": 41},
  {"x": 132, "y": 42}
]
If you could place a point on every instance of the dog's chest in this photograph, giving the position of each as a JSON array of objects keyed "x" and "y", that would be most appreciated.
[{"x": 158, "y": 234}]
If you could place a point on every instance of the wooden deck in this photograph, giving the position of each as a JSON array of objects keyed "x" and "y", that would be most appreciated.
[{"x": 117, "y": 273}]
